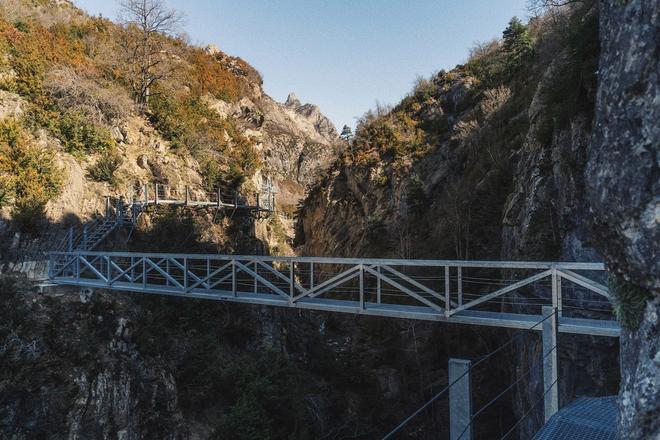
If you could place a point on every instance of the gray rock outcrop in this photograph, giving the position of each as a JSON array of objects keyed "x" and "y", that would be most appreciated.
[{"x": 623, "y": 187}]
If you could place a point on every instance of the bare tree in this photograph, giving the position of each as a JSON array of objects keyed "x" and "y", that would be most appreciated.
[
  {"x": 537, "y": 6},
  {"x": 145, "y": 24}
]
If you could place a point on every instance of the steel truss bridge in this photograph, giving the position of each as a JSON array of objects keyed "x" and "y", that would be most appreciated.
[
  {"x": 463, "y": 292},
  {"x": 559, "y": 297}
]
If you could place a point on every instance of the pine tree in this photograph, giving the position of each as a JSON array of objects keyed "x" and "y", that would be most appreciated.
[
  {"x": 517, "y": 42},
  {"x": 346, "y": 133}
]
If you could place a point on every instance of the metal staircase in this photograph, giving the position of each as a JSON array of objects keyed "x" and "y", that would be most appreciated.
[{"x": 89, "y": 236}]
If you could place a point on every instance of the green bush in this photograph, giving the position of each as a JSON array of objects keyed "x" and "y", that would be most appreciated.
[
  {"x": 216, "y": 176},
  {"x": 629, "y": 302},
  {"x": 104, "y": 168},
  {"x": 80, "y": 136},
  {"x": 30, "y": 177}
]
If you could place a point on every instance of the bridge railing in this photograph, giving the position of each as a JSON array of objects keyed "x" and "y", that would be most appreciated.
[
  {"x": 261, "y": 200},
  {"x": 428, "y": 289}
]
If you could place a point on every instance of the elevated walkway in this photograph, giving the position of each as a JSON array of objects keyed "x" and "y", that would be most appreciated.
[{"x": 409, "y": 289}]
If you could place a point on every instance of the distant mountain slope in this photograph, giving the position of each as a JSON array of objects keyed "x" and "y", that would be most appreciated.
[{"x": 65, "y": 86}]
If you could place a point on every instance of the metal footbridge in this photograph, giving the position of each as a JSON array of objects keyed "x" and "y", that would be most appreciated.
[
  {"x": 545, "y": 297},
  {"x": 463, "y": 292}
]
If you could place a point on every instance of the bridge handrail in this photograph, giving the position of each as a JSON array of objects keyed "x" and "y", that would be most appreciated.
[{"x": 495, "y": 264}]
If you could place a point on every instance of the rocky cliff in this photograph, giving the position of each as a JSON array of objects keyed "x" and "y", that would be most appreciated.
[
  {"x": 486, "y": 161},
  {"x": 623, "y": 188}
]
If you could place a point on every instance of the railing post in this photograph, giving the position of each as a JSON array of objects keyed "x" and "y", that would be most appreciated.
[
  {"x": 146, "y": 193},
  {"x": 167, "y": 271},
  {"x": 84, "y": 237},
  {"x": 311, "y": 275},
  {"x": 554, "y": 285},
  {"x": 256, "y": 272},
  {"x": 257, "y": 201},
  {"x": 459, "y": 278},
  {"x": 219, "y": 197},
  {"x": 187, "y": 195},
  {"x": 208, "y": 273},
  {"x": 460, "y": 399},
  {"x": 556, "y": 291},
  {"x": 132, "y": 269},
  {"x": 362, "y": 286},
  {"x": 185, "y": 275},
  {"x": 235, "y": 199},
  {"x": 109, "y": 270},
  {"x": 291, "y": 280},
  {"x": 447, "y": 290},
  {"x": 107, "y": 206},
  {"x": 77, "y": 266},
  {"x": 155, "y": 193},
  {"x": 550, "y": 377},
  {"x": 233, "y": 277},
  {"x": 378, "y": 294}
]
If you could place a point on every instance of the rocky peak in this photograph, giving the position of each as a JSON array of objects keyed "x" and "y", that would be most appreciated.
[
  {"x": 212, "y": 49},
  {"x": 312, "y": 114},
  {"x": 292, "y": 101}
]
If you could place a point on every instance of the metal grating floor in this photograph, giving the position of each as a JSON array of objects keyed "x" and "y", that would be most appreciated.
[{"x": 586, "y": 418}]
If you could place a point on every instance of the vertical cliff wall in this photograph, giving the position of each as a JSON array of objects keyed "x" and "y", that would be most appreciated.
[{"x": 623, "y": 187}]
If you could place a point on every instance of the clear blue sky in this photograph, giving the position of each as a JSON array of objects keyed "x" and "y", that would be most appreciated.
[{"x": 342, "y": 55}]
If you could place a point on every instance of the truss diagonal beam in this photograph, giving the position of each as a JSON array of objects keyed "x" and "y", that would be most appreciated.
[
  {"x": 281, "y": 276},
  {"x": 124, "y": 272},
  {"x": 585, "y": 282},
  {"x": 162, "y": 272},
  {"x": 404, "y": 289},
  {"x": 261, "y": 279},
  {"x": 502, "y": 291},
  {"x": 92, "y": 268},
  {"x": 416, "y": 284}
]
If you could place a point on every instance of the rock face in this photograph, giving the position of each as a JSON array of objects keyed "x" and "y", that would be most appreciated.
[
  {"x": 296, "y": 141},
  {"x": 623, "y": 186},
  {"x": 624, "y": 161},
  {"x": 502, "y": 177}
]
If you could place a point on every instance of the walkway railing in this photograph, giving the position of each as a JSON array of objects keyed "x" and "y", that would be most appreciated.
[
  {"x": 263, "y": 200},
  {"x": 467, "y": 292}
]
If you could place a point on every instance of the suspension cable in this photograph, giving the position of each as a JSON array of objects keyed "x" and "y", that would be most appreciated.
[{"x": 446, "y": 388}]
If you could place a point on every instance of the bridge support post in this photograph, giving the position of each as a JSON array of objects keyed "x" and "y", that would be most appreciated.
[
  {"x": 550, "y": 377},
  {"x": 460, "y": 399}
]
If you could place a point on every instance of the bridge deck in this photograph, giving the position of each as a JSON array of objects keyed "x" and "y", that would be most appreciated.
[{"x": 597, "y": 327}]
